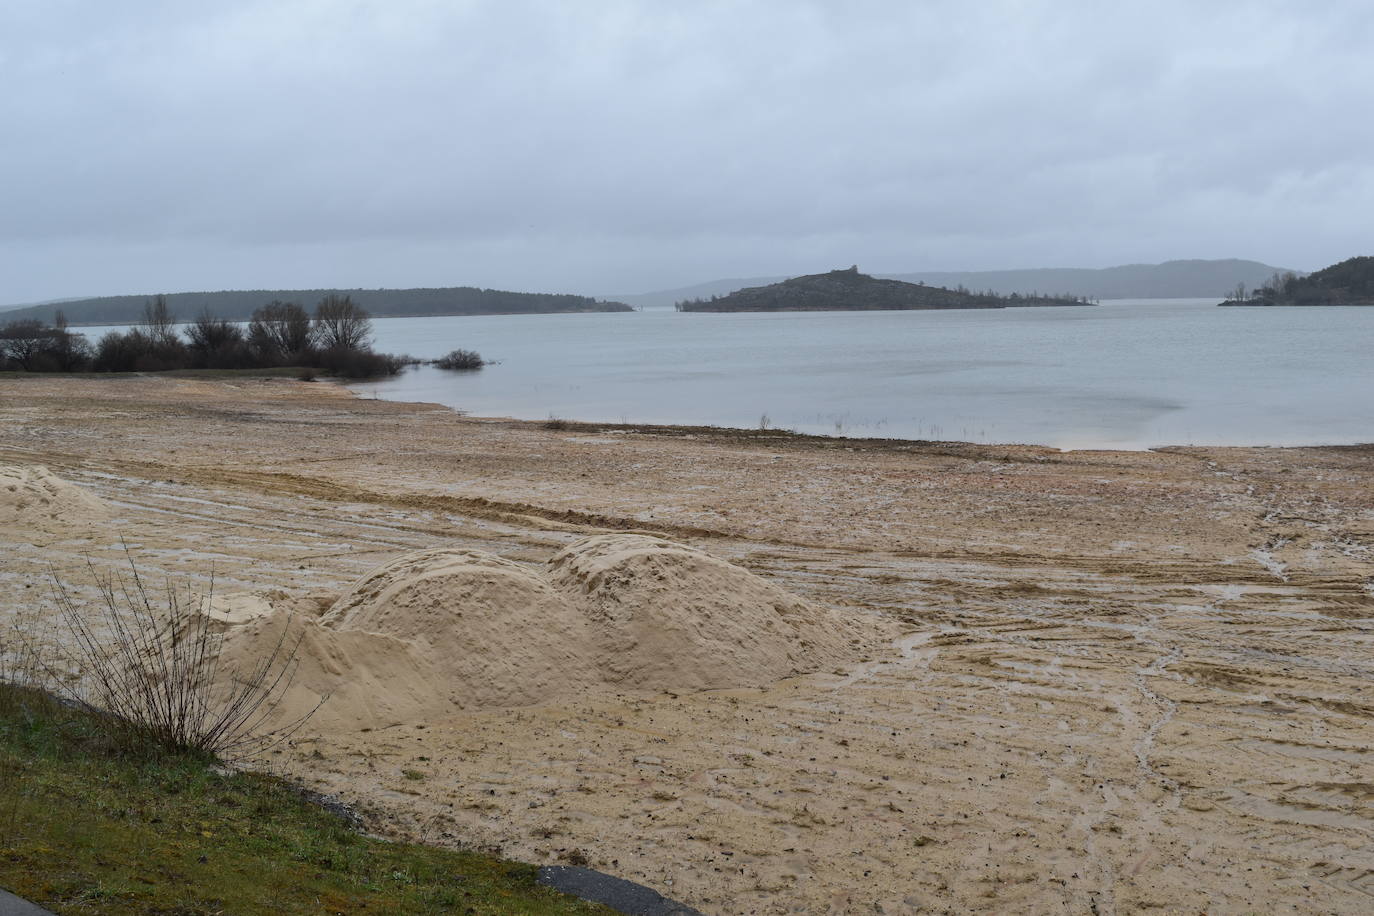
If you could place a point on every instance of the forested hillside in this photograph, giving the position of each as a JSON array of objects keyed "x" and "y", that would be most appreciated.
[
  {"x": 238, "y": 305},
  {"x": 1350, "y": 282}
]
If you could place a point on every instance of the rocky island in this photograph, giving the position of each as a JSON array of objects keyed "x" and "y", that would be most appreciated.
[
  {"x": 851, "y": 291},
  {"x": 1350, "y": 282}
]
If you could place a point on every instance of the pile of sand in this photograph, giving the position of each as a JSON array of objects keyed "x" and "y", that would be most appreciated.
[
  {"x": 500, "y": 635},
  {"x": 370, "y": 680},
  {"x": 444, "y": 630},
  {"x": 232, "y": 609},
  {"x": 663, "y": 615},
  {"x": 32, "y": 497}
]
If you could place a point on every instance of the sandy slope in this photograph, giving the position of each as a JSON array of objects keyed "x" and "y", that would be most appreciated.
[{"x": 1126, "y": 680}]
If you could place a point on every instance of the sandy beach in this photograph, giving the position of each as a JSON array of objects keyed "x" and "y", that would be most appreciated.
[{"x": 1071, "y": 682}]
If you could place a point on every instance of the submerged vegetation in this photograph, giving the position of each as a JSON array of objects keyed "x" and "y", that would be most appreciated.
[
  {"x": 1350, "y": 282},
  {"x": 849, "y": 290},
  {"x": 460, "y": 361}
]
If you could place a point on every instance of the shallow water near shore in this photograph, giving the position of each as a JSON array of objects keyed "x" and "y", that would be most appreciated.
[{"x": 1125, "y": 374}]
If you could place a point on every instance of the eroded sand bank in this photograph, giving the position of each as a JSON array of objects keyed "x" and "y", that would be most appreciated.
[{"x": 1118, "y": 681}]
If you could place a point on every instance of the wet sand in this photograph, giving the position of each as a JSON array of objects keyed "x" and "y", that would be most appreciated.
[{"x": 1120, "y": 681}]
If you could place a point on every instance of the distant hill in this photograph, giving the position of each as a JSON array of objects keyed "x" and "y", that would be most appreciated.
[
  {"x": 1170, "y": 280},
  {"x": 382, "y": 303},
  {"x": 849, "y": 290},
  {"x": 668, "y": 297},
  {"x": 1351, "y": 282}
]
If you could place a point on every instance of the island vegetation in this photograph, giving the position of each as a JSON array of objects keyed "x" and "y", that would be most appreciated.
[
  {"x": 1350, "y": 282},
  {"x": 239, "y": 305},
  {"x": 1188, "y": 279},
  {"x": 849, "y": 290},
  {"x": 336, "y": 339}
]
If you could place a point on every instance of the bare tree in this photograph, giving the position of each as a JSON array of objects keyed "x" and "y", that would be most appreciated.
[
  {"x": 215, "y": 342},
  {"x": 280, "y": 330},
  {"x": 342, "y": 325},
  {"x": 24, "y": 342},
  {"x": 209, "y": 332},
  {"x": 158, "y": 321},
  {"x": 70, "y": 352}
]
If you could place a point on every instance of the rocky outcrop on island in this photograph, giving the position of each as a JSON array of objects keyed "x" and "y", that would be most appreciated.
[
  {"x": 1351, "y": 282},
  {"x": 849, "y": 290}
]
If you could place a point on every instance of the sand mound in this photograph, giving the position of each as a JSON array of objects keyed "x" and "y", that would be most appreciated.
[
  {"x": 230, "y": 609},
  {"x": 441, "y": 630},
  {"x": 667, "y": 616},
  {"x": 499, "y": 634},
  {"x": 32, "y": 496},
  {"x": 369, "y": 680}
]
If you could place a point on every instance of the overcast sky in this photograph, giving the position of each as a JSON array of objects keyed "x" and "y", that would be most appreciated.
[{"x": 618, "y": 147}]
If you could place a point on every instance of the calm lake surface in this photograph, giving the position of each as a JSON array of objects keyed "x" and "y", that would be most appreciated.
[{"x": 1125, "y": 374}]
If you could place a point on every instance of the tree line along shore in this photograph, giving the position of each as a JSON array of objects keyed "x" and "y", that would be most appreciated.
[
  {"x": 335, "y": 339},
  {"x": 1349, "y": 282}
]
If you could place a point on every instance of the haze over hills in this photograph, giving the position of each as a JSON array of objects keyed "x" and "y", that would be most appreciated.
[
  {"x": 238, "y": 305},
  {"x": 1169, "y": 280}
]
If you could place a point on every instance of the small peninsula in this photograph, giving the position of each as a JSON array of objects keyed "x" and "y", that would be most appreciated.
[
  {"x": 1351, "y": 282},
  {"x": 851, "y": 291}
]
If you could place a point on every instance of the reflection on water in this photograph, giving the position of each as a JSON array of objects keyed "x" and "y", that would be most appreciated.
[{"x": 1127, "y": 374}]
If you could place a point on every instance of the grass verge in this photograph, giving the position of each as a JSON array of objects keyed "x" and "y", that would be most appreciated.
[{"x": 89, "y": 825}]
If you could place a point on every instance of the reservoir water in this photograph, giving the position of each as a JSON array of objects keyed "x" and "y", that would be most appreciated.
[{"x": 1125, "y": 374}]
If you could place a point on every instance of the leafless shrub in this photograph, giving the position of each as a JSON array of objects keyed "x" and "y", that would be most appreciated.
[
  {"x": 460, "y": 360},
  {"x": 357, "y": 364},
  {"x": 150, "y": 661},
  {"x": 23, "y": 675}
]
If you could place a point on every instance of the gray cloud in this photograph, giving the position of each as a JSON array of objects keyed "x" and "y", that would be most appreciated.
[{"x": 616, "y": 146}]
